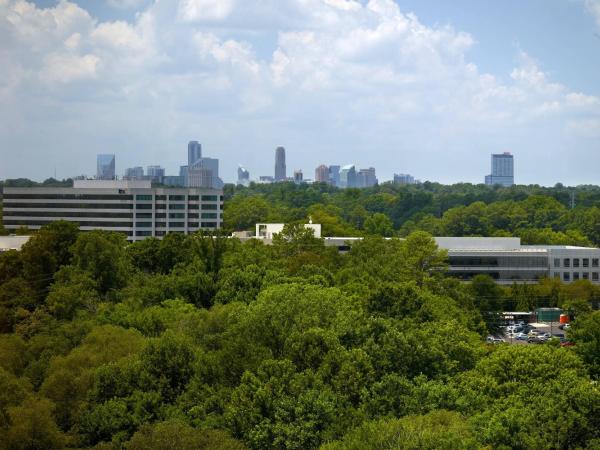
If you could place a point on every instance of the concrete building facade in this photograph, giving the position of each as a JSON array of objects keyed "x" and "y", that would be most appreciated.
[{"x": 130, "y": 207}]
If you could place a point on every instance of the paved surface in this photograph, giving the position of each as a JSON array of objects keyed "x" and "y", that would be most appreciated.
[{"x": 551, "y": 328}]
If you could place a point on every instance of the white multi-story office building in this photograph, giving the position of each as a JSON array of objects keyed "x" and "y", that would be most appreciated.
[{"x": 130, "y": 207}]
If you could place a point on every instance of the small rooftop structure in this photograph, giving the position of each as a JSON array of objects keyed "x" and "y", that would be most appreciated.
[
  {"x": 112, "y": 184},
  {"x": 12, "y": 242},
  {"x": 268, "y": 230},
  {"x": 479, "y": 243}
]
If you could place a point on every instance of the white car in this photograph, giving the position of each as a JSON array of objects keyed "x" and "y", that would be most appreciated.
[
  {"x": 494, "y": 340},
  {"x": 521, "y": 336}
]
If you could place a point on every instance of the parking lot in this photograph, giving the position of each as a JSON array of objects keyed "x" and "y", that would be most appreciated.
[{"x": 552, "y": 329}]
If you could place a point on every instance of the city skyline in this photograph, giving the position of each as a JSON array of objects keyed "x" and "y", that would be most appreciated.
[{"x": 429, "y": 88}]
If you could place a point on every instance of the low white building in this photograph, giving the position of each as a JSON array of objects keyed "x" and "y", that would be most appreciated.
[
  {"x": 504, "y": 259},
  {"x": 12, "y": 242}
]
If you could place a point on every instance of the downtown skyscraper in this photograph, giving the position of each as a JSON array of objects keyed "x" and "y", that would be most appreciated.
[{"x": 280, "y": 170}]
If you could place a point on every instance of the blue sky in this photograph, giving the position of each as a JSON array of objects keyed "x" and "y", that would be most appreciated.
[{"x": 429, "y": 88}]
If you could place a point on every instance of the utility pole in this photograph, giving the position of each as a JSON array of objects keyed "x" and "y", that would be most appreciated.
[{"x": 572, "y": 199}]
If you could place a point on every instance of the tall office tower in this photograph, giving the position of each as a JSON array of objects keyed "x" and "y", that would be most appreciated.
[
  {"x": 156, "y": 173},
  {"x": 194, "y": 152},
  {"x": 322, "y": 174},
  {"x": 280, "y": 172},
  {"x": 200, "y": 177},
  {"x": 298, "y": 176},
  {"x": 183, "y": 173},
  {"x": 502, "y": 170},
  {"x": 134, "y": 173},
  {"x": 403, "y": 178},
  {"x": 243, "y": 176},
  {"x": 366, "y": 177},
  {"x": 348, "y": 177},
  {"x": 334, "y": 175},
  {"x": 105, "y": 167}
]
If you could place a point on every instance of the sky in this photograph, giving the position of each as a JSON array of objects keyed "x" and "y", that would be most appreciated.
[{"x": 425, "y": 87}]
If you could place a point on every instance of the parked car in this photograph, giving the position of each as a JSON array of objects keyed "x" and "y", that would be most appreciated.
[
  {"x": 521, "y": 336},
  {"x": 564, "y": 326},
  {"x": 494, "y": 340},
  {"x": 536, "y": 340},
  {"x": 544, "y": 335}
]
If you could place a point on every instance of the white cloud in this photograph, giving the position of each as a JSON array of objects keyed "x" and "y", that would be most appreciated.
[
  {"x": 336, "y": 77},
  {"x": 126, "y": 4},
  {"x": 199, "y": 10},
  {"x": 593, "y": 7}
]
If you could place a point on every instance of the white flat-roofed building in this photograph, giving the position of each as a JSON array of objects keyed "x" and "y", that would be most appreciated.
[
  {"x": 131, "y": 207},
  {"x": 504, "y": 259},
  {"x": 12, "y": 242}
]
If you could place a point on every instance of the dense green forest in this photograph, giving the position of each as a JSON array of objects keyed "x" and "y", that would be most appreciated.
[
  {"x": 204, "y": 342},
  {"x": 537, "y": 214}
]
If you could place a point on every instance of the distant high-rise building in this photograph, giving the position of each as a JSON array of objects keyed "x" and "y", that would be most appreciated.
[
  {"x": 280, "y": 171},
  {"x": 194, "y": 152},
  {"x": 105, "y": 165},
  {"x": 134, "y": 173},
  {"x": 366, "y": 177},
  {"x": 298, "y": 176},
  {"x": 403, "y": 178},
  {"x": 502, "y": 170},
  {"x": 334, "y": 175},
  {"x": 322, "y": 174},
  {"x": 155, "y": 173},
  {"x": 266, "y": 179},
  {"x": 243, "y": 176},
  {"x": 183, "y": 173},
  {"x": 200, "y": 177},
  {"x": 348, "y": 177}
]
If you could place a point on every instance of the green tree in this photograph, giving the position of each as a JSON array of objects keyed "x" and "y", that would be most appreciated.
[
  {"x": 102, "y": 255},
  {"x": 585, "y": 332},
  {"x": 379, "y": 224}
]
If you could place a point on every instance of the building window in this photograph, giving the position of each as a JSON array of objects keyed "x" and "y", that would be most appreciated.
[
  {"x": 566, "y": 262},
  {"x": 161, "y": 197},
  {"x": 177, "y": 198},
  {"x": 143, "y": 233},
  {"x": 161, "y": 215},
  {"x": 177, "y": 206},
  {"x": 193, "y": 215},
  {"x": 143, "y": 197},
  {"x": 576, "y": 262},
  {"x": 144, "y": 206},
  {"x": 575, "y": 276},
  {"x": 586, "y": 262},
  {"x": 209, "y": 206},
  {"x": 176, "y": 224},
  {"x": 595, "y": 276},
  {"x": 209, "y": 225},
  {"x": 161, "y": 224},
  {"x": 192, "y": 206},
  {"x": 566, "y": 276},
  {"x": 143, "y": 224},
  {"x": 192, "y": 198},
  {"x": 556, "y": 262},
  {"x": 160, "y": 233},
  {"x": 193, "y": 224},
  {"x": 209, "y": 198},
  {"x": 594, "y": 262},
  {"x": 143, "y": 215},
  {"x": 585, "y": 275},
  {"x": 209, "y": 215},
  {"x": 176, "y": 215}
]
